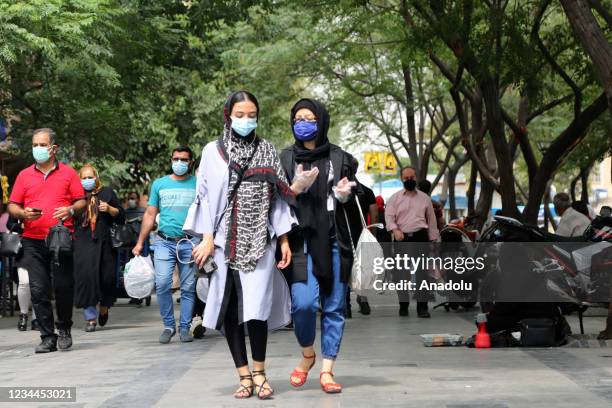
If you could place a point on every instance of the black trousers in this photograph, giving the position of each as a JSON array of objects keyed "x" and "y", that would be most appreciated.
[
  {"x": 421, "y": 235},
  {"x": 198, "y": 307},
  {"x": 43, "y": 279},
  {"x": 234, "y": 333}
]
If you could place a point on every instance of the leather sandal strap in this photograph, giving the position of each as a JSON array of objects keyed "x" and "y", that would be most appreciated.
[
  {"x": 308, "y": 357},
  {"x": 326, "y": 372}
]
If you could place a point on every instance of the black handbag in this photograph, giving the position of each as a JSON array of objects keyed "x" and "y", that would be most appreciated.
[
  {"x": 538, "y": 332},
  {"x": 123, "y": 235},
  {"x": 59, "y": 241},
  {"x": 10, "y": 244}
]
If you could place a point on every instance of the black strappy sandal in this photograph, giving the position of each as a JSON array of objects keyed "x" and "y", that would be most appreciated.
[
  {"x": 249, "y": 389},
  {"x": 260, "y": 388}
]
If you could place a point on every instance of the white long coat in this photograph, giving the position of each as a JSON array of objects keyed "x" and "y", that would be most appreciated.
[{"x": 263, "y": 294}]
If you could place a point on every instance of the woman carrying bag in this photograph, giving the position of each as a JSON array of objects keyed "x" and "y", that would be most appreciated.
[
  {"x": 242, "y": 214},
  {"x": 322, "y": 178},
  {"x": 94, "y": 256}
]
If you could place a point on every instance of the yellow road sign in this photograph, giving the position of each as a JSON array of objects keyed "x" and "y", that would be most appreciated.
[
  {"x": 380, "y": 162},
  {"x": 390, "y": 163}
]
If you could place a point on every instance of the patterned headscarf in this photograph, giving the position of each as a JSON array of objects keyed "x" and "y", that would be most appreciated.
[
  {"x": 90, "y": 217},
  {"x": 247, "y": 219}
]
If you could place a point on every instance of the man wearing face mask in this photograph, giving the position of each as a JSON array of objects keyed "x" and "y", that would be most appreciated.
[
  {"x": 410, "y": 217},
  {"x": 45, "y": 193},
  {"x": 134, "y": 214},
  {"x": 170, "y": 197}
]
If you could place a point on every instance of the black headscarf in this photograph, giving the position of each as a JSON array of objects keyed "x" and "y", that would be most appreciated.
[{"x": 311, "y": 208}]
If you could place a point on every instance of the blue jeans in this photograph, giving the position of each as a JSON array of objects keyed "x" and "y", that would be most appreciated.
[
  {"x": 165, "y": 261},
  {"x": 305, "y": 302},
  {"x": 90, "y": 313}
]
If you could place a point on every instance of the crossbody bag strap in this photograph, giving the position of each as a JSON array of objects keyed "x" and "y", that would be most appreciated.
[{"x": 348, "y": 225}]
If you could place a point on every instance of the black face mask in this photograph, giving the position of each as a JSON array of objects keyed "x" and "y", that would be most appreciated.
[{"x": 410, "y": 184}]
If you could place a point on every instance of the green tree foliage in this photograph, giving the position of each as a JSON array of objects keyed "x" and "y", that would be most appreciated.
[{"x": 501, "y": 85}]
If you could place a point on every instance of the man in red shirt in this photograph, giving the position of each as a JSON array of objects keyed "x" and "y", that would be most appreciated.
[{"x": 44, "y": 193}]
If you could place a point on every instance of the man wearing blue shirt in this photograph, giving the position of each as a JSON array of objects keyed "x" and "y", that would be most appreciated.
[{"x": 170, "y": 197}]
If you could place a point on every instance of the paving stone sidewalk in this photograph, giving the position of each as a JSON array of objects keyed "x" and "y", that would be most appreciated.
[{"x": 382, "y": 363}]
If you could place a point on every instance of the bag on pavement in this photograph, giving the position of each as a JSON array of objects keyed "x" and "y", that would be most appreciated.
[
  {"x": 364, "y": 253},
  {"x": 139, "y": 277}
]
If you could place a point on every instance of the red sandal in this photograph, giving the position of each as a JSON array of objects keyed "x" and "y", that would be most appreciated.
[
  {"x": 331, "y": 387},
  {"x": 303, "y": 376}
]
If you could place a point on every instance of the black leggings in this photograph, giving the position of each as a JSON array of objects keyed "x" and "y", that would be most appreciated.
[{"x": 234, "y": 333}]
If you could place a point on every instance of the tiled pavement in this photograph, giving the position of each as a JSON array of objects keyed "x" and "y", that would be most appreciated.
[{"x": 382, "y": 363}]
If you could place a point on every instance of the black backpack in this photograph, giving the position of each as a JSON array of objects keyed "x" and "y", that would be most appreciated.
[
  {"x": 124, "y": 235},
  {"x": 59, "y": 241}
]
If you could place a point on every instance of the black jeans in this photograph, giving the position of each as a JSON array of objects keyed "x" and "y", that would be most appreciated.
[
  {"x": 45, "y": 277},
  {"x": 234, "y": 333},
  {"x": 421, "y": 235}
]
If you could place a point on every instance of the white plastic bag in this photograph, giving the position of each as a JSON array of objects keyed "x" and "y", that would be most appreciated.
[
  {"x": 202, "y": 288},
  {"x": 364, "y": 253},
  {"x": 139, "y": 277},
  {"x": 362, "y": 275}
]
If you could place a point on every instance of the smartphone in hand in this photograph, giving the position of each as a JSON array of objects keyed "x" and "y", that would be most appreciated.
[{"x": 208, "y": 268}]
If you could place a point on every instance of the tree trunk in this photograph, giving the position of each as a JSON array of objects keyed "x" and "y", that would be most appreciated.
[
  {"x": 471, "y": 192},
  {"x": 547, "y": 214},
  {"x": 584, "y": 181},
  {"x": 573, "y": 187},
  {"x": 483, "y": 207},
  {"x": 452, "y": 178},
  {"x": 445, "y": 187},
  {"x": 490, "y": 93},
  {"x": 593, "y": 40},
  {"x": 557, "y": 152},
  {"x": 410, "y": 120}
]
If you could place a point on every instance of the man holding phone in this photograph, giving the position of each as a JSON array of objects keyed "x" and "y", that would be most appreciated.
[
  {"x": 43, "y": 194},
  {"x": 170, "y": 197}
]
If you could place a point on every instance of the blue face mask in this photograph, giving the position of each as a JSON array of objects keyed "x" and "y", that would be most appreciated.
[
  {"x": 244, "y": 126},
  {"x": 88, "y": 184},
  {"x": 305, "y": 131},
  {"x": 180, "y": 168},
  {"x": 41, "y": 154}
]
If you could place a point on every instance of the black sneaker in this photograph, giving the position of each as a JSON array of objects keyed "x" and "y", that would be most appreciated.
[
  {"x": 35, "y": 325},
  {"x": 364, "y": 308},
  {"x": 22, "y": 324},
  {"x": 47, "y": 345},
  {"x": 102, "y": 319},
  {"x": 64, "y": 339}
]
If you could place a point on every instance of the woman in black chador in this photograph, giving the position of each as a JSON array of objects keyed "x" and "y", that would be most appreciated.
[{"x": 94, "y": 257}]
